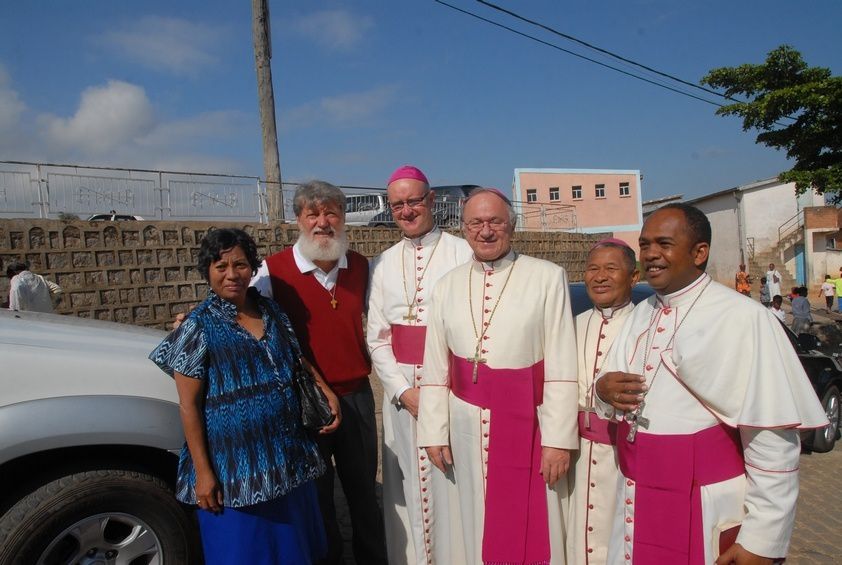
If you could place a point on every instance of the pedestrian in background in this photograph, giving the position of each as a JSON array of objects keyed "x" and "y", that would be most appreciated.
[
  {"x": 742, "y": 281},
  {"x": 801, "y": 316},
  {"x": 828, "y": 290},
  {"x": 765, "y": 297},
  {"x": 29, "y": 291}
]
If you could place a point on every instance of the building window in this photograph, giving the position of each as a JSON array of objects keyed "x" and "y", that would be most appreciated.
[
  {"x": 577, "y": 193},
  {"x": 554, "y": 194},
  {"x": 532, "y": 195},
  {"x": 600, "y": 191},
  {"x": 624, "y": 189}
]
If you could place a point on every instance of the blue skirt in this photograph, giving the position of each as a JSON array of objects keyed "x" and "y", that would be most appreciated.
[{"x": 285, "y": 531}]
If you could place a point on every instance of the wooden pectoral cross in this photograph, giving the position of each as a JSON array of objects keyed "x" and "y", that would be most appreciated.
[
  {"x": 636, "y": 418},
  {"x": 333, "y": 303},
  {"x": 476, "y": 360}
]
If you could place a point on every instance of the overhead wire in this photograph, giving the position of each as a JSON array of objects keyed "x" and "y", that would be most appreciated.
[{"x": 624, "y": 60}]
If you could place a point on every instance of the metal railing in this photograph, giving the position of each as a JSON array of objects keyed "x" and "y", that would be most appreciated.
[
  {"x": 790, "y": 226},
  {"x": 750, "y": 248}
]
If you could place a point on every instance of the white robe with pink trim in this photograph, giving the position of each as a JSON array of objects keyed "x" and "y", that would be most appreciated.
[
  {"x": 419, "y": 505},
  {"x": 593, "y": 484},
  {"x": 711, "y": 355},
  {"x": 532, "y": 322}
]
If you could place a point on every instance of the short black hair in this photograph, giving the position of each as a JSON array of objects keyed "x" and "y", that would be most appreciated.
[
  {"x": 16, "y": 267},
  {"x": 697, "y": 223},
  {"x": 629, "y": 257},
  {"x": 219, "y": 240}
]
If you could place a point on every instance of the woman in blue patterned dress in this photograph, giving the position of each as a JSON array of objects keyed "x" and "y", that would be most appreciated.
[{"x": 248, "y": 464}]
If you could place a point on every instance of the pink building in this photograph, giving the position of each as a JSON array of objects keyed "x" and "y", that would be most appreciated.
[{"x": 581, "y": 200}]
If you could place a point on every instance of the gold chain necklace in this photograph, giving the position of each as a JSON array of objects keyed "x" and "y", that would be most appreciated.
[
  {"x": 410, "y": 304},
  {"x": 477, "y": 358}
]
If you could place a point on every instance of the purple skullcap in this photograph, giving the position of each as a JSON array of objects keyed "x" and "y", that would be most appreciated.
[
  {"x": 408, "y": 172},
  {"x": 610, "y": 241},
  {"x": 491, "y": 189}
]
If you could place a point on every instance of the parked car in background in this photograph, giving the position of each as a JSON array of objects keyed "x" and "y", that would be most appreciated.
[
  {"x": 824, "y": 372},
  {"x": 113, "y": 216},
  {"x": 89, "y": 440},
  {"x": 361, "y": 209},
  {"x": 447, "y": 207}
]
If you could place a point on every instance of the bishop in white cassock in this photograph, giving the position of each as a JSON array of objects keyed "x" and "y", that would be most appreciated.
[
  {"x": 610, "y": 273},
  {"x": 419, "y": 504},
  {"x": 714, "y": 397},
  {"x": 499, "y": 390}
]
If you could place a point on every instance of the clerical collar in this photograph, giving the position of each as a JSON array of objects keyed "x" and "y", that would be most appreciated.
[
  {"x": 427, "y": 239},
  {"x": 610, "y": 311},
  {"x": 498, "y": 265},
  {"x": 685, "y": 295}
]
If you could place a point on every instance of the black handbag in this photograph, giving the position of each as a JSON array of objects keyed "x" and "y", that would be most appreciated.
[{"x": 315, "y": 411}]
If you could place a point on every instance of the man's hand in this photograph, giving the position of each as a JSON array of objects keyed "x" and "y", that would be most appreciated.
[
  {"x": 554, "y": 464},
  {"x": 440, "y": 456},
  {"x": 410, "y": 399},
  {"x": 738, "y": 555},
  {"x": 623, "y": 391},
  {"x": 333, "y": 402},
  {"x": 179, "y": 319}
]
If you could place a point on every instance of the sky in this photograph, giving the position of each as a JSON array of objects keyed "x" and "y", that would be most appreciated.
[{"x": 364, "y": 86}]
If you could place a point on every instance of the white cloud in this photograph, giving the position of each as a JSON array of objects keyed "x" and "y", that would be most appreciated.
[
  {"x": 332, "y": 29},
  {"x": 11, "y": 107},
  {"x": 340, "y": 111},
  {"x": 108, "y": 116},
  {"x": 203, "y": 126},
  {"x": 173, "y": 45}
]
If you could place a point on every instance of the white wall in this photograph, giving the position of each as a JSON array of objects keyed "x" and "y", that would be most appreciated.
[
  {"x": 765, "y": 209},
  {"x": 724, "y": 260}
]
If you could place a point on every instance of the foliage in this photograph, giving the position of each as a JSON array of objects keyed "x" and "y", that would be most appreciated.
[{"x": 796, "y": 108}]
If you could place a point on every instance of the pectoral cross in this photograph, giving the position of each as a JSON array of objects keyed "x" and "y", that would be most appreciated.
[
  {"x": 409, "y": 315},
  {"x": 476, "y": 360},
  {"x": 588, "y": 411},
  {"x": 636, "y": 418},
  {"x": 333, "y": 303}
]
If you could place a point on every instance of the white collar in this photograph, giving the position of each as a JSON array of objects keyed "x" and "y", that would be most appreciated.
[
  {"x": 611, "y": 311},
  {"x": 429, "y": 238},
  {"x": 684, "y": 295},
  {"x": 497, "y": 265}
]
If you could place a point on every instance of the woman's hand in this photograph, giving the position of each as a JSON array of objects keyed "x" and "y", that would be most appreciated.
[
  {"x": 332, "y": 399},
  {"x": 208, "y": 492}
]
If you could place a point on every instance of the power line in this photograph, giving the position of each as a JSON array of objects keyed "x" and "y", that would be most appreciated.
[
  {"x": 579, "y": 55},
  {"x": 604, "y": 51}
]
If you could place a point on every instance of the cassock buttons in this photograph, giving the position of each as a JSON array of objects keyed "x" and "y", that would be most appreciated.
[
  {"x": 629, "y": 520},
  {"x": 601, "y": 336},
  {"x": 590, "y": 528},
  {"x": 590, "y": 506},
  {"x": 628, "y": 501},
  {"x": 628, "y": 538},
  {"x": 418, "y": 268},
  {"x": 659, "y": 330},
  {"x": 599, "y": 353},
  {"x": 593, "y": 485},
  {"x": 590, "y": 550},
  {"x": 648, "y": 367},
  {"x": 629, "y": 483}
]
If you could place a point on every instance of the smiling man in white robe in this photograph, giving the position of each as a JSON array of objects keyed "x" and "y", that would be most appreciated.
[
  {"x": 712, "y": 397},
  {"x": 418, "y": 503},
  {"x": 498, "y": 394},
  {"x": 610, "y": 273}
]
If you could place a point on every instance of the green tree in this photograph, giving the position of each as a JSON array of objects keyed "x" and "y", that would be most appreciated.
[{"x": 795, "y": 107}]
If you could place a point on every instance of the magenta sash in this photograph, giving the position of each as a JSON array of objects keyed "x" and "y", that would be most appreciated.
[
  {"x": 600, "y": 431},
  {"x": 516, "y": 524},
  {"x": 669, "y": 471},
  {"x": 408, "y": 344}
]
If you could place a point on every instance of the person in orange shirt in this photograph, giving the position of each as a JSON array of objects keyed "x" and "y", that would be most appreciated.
[{"x": 742, "y": 282}]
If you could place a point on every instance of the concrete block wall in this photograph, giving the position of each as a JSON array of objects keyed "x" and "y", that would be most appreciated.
[{"x": 145, "y": 273}]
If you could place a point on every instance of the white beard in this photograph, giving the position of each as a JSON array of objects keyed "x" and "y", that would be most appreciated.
[{"x": 325, "y": 250}]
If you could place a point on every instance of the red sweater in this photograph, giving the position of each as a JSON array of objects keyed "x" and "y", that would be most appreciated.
[{"x": 332, "y": 340}]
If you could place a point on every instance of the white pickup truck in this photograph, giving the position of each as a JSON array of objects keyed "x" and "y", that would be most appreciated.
[{"x": 89, "y": 441}]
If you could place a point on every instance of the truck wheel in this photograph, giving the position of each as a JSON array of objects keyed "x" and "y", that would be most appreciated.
[
  {"x": 104, "y": 516},
  {"x": 825, "y": 438}
]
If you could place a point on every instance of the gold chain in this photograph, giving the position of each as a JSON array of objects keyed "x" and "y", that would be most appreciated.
[
  {"x": 478, "y": 335},
  {"x": 410, "y": 303}
]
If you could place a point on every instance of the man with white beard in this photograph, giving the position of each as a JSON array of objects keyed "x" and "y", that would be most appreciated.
[{"x": 321, "y": 285}]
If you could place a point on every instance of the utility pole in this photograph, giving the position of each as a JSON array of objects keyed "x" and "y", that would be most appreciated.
[{"x": 266, "y": 102}]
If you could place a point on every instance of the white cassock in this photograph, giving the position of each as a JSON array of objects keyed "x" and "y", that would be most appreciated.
[
  {"x": 727, "y": 397},
  {"x": 593, "y": 483},
  {"x": 519, "y": 309},
  {"x": 419, "y": 505}
]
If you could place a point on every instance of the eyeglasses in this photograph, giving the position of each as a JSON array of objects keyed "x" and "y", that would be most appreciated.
[
  {"x": 410, "y": 203},
  {"x": 495, "y": 224}
]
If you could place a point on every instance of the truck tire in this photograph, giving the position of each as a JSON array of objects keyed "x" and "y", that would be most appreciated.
[
  {"x": 825, "y": 438},
  {"x": 108, "y": 516}
]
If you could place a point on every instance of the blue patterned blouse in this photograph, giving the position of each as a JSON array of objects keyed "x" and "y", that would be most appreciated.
[{"x": 257, "y": 445}]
